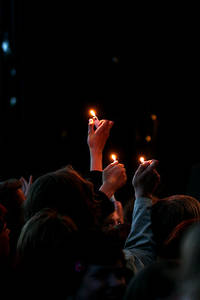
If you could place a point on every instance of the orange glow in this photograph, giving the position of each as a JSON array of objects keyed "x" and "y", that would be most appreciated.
[
  {"x": 148, "y": 138},
  {"x": 114, "y": 157},
  {"x": 142, "y": 159},
  {"x": 153, "y": 117},
  {"x": 92, "y": 113}
]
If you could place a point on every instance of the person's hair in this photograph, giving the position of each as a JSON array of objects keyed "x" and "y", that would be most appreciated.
[
  {"x": 102, "y": 248},
  {"x": 64, "y": 190},
  {"x": 190, "y": 266},
  {"x": 166, "y": 215},
  {"x": 172, "y": 245},
  {"x": 46, "y": 252},
  {"x": 156, "y": 281}
]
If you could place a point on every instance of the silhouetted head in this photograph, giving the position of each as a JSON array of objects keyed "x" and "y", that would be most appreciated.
[
  {"x": 166, "y": 215},
  {"x": 46, "y": 254},
  {"x": 102, "y": 273},
  {"x": 154, "y": 282},
  {"x": 64, "y": 190}
]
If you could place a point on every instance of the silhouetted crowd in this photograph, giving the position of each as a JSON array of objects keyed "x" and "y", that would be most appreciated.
[{"x": 66, "y": 236}]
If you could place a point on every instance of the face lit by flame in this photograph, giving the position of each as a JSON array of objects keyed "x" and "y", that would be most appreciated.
[
  {"x": 92, "y": 113},
  {"x": 114, "y": 157}
]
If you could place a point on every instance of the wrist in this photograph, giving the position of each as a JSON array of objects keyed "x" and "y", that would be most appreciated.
[
  {"x": 96, "y": 153},
  {"x": 96, "y": 162},
  {"x": 107, "y": 189}
]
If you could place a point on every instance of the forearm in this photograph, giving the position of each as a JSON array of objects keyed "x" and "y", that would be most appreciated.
[
  {"x": 96, "y": 161},
  {"x": 140, "y": 240}
]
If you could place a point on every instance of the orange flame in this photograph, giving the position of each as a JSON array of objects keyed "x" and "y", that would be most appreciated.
[
  {"x": 142, "y": 159},
  {"x": 114, "y": 157},
  {"x": 92, "y": 113}
]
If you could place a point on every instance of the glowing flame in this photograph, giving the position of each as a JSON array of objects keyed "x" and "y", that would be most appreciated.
[
  {"x": 92, "y": 113},
  {"x": 142, "y": 159},
  {"x": 114, "y": 157}
]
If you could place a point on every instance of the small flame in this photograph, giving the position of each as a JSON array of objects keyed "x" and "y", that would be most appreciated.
[
  {"x": 142, "y": 159},
  {"x": 114, "y": 157},
  {"x": 92, "y": 113}
]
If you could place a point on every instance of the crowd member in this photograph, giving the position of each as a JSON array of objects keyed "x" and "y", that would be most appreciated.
[
  {"x": 68, "y": 192},
  {"x": 171, "y": 217},
  {"x": 96, "y": 141},
  {"x": 154, "y": 231},
  {"x": 102, "y": 267},
  {"x": 188, "y": 284},
  {"x": 46, "y": 256},
  {"x": 55, "y": 261},
  {"x": 140, "y": 247},
  {"x": 155, "y": 281},
  {"x": 168, "y": 217}
]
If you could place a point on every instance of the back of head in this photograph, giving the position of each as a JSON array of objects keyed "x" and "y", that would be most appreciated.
[
  {"x": 46, "y": 250},
  {"x": 167, "y": 214},
  {"x": 189, "y": 287},
  {"x": 64, "y": 190},
  {"x": 156, "y": 281}
]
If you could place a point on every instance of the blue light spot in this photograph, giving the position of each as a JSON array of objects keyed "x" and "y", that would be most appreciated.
[
  {"x": 13, "y": 101},
  {"x": 6, "y": 47}
]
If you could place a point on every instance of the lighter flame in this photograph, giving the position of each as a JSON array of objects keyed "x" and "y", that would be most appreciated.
[
  {"x": 92, "y": 113},
  {"x": 142, "y": 159},
  {"x": 114, "y": 157}
]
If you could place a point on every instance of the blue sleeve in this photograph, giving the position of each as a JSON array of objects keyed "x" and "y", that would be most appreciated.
[{"x": 140, "y": 243}]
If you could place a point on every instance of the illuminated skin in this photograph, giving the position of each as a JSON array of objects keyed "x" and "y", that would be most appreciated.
[
  {"x": 114, "y": 175},
  {"x": 114, "y": 157},
  {"x": 94, "y": 118},
  {"x": 111, "y": 221},
  {"x": 96, "y": 142}
]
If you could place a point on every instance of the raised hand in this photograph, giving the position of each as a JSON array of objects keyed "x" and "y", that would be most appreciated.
[
  {"x": 146, "y": 179},
  {"x": 26, "y": 185},
  {"x": 96, "y": 141},
  {"x": 114, "y": 177}
]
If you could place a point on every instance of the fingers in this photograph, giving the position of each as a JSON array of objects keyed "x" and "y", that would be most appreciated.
[
  {"x": 142, "y": 167},
  {"x": 111, "y": 165},
  {"x": 147, "y": 166},
  {"x": 90, "y": 126},
  {"x": 105, "y": 126},
  {"x": 30, "y": 180}
]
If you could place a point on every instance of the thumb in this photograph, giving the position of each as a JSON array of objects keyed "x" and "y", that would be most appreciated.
[{"x": 90, "y": 126}]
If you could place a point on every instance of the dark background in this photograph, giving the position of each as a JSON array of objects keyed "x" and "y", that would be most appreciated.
[{"x": 127, "y": 63}]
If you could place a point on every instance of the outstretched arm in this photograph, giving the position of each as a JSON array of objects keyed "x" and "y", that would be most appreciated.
[
  {"x": 96, "y": 141},
  {"x": 140, "y": 244}
]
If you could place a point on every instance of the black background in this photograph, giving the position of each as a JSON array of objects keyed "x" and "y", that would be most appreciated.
[{"x": 126, "y": 62}]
